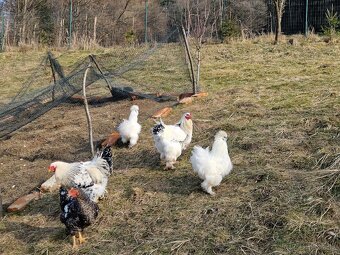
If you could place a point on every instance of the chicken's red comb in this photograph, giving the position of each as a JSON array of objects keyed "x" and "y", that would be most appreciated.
[{"x": 73, "y": 192}]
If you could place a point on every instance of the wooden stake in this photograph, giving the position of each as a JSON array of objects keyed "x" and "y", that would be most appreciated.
[
  {"x": 92, "y": 58},
  {"x": 49, "y": 54},
  {"x": 190, "y": 61},
  {"x": 88, "y": 117}
]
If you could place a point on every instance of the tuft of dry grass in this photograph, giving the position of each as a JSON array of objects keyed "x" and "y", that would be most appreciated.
[{"x": 279, "y": 105}]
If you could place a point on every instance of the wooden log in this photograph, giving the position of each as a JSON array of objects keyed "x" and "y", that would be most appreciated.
[
  {"x": 162, "y": 112},
  {"x": 23, "y": 201},
  {"x": 186, "y": 100},
  {"x": 7, "y": 118},
  {"x": 184, "y": 95},
  {"x": 200, "y": 94},
  {"x": 50, "y": 185},
  {"x": 111, "y": 140}
]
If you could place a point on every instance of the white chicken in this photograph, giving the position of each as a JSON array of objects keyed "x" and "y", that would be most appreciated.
[
  {"x": 129, "y": 129},
  {"x": 170, "y": 140},
  {"x": 212, "y": 165},
  {"x": 91, "y": 176}
]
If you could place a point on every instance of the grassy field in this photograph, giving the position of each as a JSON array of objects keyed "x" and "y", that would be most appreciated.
[{"x": 280, "y": 105}]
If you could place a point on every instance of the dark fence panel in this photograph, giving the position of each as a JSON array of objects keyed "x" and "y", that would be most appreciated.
[{"x": 294, "y": 17}]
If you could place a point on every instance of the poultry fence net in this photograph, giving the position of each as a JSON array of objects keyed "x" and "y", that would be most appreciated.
[{"x": 155, "y": 71}]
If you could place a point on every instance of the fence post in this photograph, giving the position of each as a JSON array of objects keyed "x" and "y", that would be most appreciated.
[{"x": 306, "y": 20}]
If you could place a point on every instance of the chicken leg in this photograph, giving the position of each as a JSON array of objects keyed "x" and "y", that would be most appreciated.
[
  {"x": 207, "y": 187},
  {"x": 81, "y": 238},
  {"x": 74, "y": 242}
]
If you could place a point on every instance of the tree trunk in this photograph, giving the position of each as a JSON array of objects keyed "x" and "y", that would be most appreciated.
[
  {"x": 279, "y": 6},
  {"x": 61, "y": 33},
  {"x": 95, "y": 30},
  {"x": 24, "y": 20},
  {"x": 198, "y": 68},
  {"x": 6, "y": 36},
  {"x": 33, "y": 41}
]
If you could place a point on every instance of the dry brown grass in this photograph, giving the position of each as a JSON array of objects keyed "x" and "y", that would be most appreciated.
[{"x": 280, "y": 106}]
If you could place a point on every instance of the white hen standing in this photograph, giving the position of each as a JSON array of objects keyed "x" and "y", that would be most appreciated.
[
  {"x": 170, "y": 140},
  {"x": 129, "y": 129},
  {"x": 212, "y": 165},
  {"x": 170, "y": 149},
  {"x": 90, "y": 176}
]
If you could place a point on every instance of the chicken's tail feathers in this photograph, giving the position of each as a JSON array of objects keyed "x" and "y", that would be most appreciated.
[
  {"x": 106, "y": 154},
  {"x": 158, "y": 128}
]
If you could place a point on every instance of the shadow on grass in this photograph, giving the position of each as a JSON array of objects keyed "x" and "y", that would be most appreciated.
[
  {"x": 32, "y": 234},
  {"x": 47, "y": 205},
  {"x": 135, "y": 158},
  {"x": 183, "y": 185}
]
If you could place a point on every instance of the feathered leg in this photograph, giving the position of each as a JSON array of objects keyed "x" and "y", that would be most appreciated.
[
  {"x": 133, "y": 141},
  {"x": 207, "y": 188},
  {"x": 104, "y": 195},
  {"x": 162, "y": 157},
  {"x": 169, "y": 165},
  {"x": 124, "y": 140}
]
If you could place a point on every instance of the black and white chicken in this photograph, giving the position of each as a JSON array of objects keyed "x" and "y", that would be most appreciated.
[
  {"x": 77, "y": 213},
  {"x": 91, "y": 176},
  {"x": 170, "y": 140}
]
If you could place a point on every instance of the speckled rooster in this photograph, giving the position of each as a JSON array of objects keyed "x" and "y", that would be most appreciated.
[{"x": 77, "y": 213}]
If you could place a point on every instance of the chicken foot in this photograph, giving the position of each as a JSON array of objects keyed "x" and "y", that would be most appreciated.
[
  {"x": 169, "y": 165},
  {"x": 81, "y": 238},
  {"x": 207, "y": 188}
]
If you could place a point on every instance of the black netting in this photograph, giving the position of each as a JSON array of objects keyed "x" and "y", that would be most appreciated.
[{"x": 156, "y": 71}]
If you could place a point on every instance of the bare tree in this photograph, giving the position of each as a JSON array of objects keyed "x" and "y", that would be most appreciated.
[
  {"x": 201, "y": 16},
  {"x": 279, "y": 7}
]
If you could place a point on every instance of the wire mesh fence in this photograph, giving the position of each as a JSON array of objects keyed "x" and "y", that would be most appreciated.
[
  {"x": 149, "y": 71},
  {"x": 294, "y": 15}
]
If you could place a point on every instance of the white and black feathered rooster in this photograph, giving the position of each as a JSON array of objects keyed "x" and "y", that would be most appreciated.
[
  {"x": 77, "y": 212},
  {"x": 170, "y": 140},
  {"x": 91, "y": 176},
  {"x": 212, "y": 165},
  {"x": 129, "y": 129}
]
